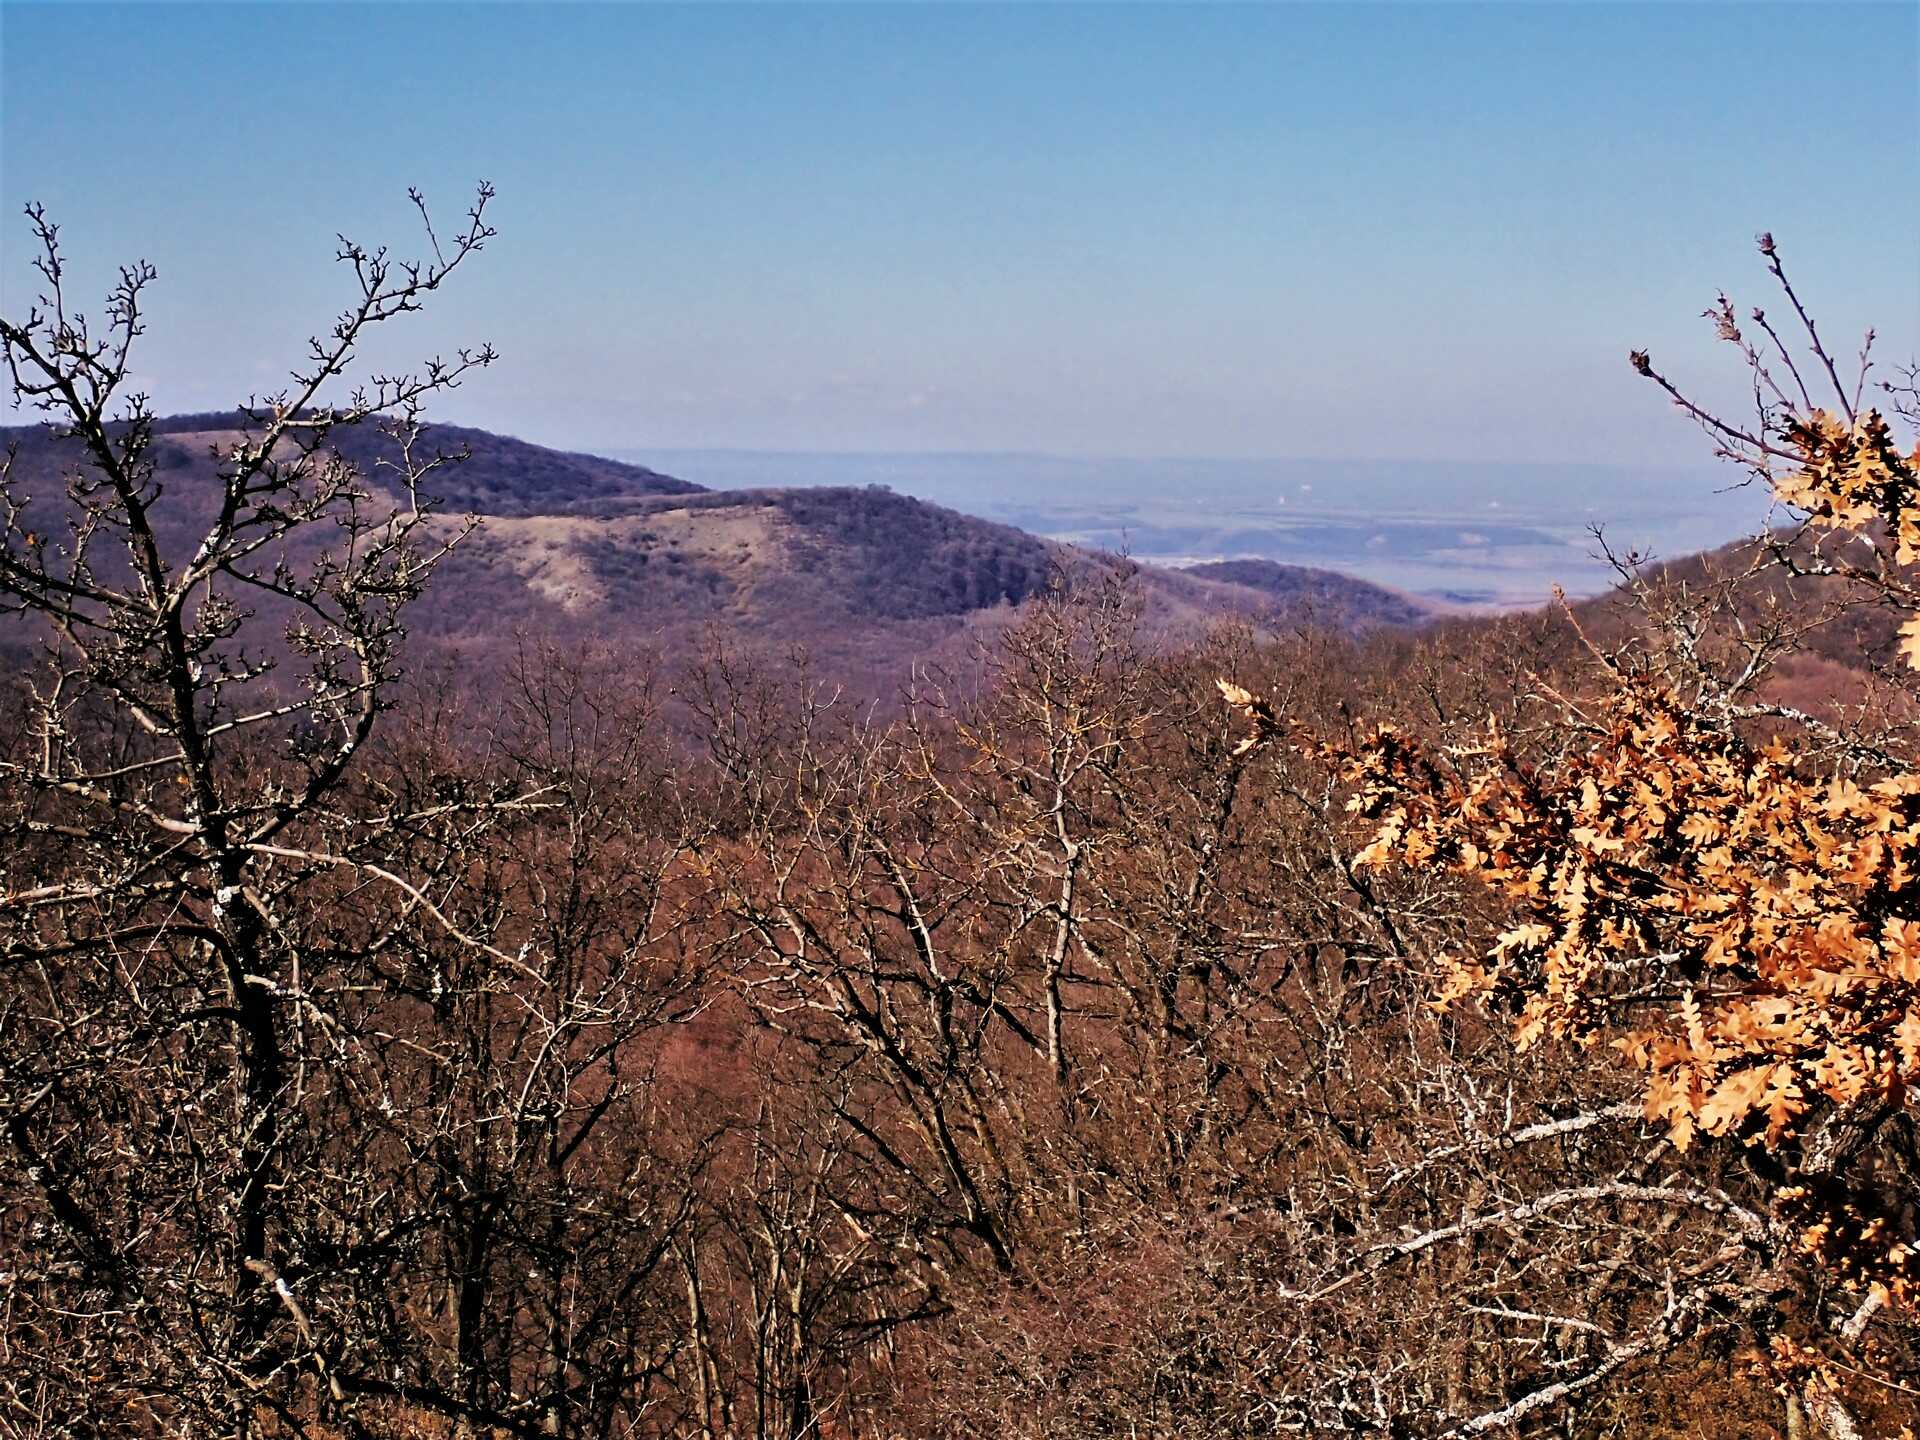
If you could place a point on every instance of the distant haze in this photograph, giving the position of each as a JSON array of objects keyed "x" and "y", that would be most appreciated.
[
  {"x": 1429, "y": 232},
  {"x": 1474, "y": 533},
  {"x": 1293, "y": 229}
]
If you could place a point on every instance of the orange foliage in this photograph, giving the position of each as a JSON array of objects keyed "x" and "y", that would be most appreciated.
[{"x": 1741, "y": 922}]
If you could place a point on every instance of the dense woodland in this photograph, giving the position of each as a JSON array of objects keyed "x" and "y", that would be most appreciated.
[{"x": 1499, "y": 1027}]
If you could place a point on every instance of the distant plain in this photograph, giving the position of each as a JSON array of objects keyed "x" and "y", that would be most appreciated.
[{"x": 1478, "y": 535}]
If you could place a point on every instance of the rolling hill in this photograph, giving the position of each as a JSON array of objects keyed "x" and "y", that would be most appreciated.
[
  {"x": 1349, "y": 603},
  {"x": 866, "y": 580}
]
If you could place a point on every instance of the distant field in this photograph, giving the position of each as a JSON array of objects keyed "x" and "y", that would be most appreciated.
[{"x": 1482, "y": 535}]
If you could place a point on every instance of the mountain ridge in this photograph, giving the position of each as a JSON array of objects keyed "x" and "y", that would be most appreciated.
[{"x": 867, "y": 580}]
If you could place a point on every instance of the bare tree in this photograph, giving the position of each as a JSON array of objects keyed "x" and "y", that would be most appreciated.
[
  {"x": 1046, "y": 1056},
  {"x": 325, "y": 1079},
  {"x": 1673, "y": 861}
]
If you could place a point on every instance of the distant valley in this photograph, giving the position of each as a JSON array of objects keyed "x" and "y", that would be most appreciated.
[
  {"x": 864, "y": 579},
  {"x": 875, "y": 564},
  {"x": 1456, "y": 533}
]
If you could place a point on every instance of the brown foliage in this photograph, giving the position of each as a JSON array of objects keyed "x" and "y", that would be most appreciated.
[
  {"x": 1730, "y": 907},
  {"x": 384, "y": 1057}
]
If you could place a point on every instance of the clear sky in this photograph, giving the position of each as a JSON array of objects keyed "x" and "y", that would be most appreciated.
[{"x": 1361, "y": 230}]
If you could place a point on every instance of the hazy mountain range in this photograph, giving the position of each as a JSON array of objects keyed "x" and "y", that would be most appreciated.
[
  {"x": 872, "y": 564},
  {"x": 867, "y": 580}
]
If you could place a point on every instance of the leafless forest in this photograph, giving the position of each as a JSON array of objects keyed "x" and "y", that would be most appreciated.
[{"x": 1503, "y": 1027}]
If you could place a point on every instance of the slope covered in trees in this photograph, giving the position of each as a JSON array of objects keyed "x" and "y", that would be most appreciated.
[
  {"x": 1500, "y": 1028},
  {"x": 497, "y": 474},
  {"x": 1324, "y": 594},
  {"x": 867, "y": 581}
]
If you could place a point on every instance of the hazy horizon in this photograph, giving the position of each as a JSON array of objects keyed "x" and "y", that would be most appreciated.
[
  {"x": 1343, "y": 230},
  {"x": 1131, "y": 275},
  {"x": 1465, "y": 532}
]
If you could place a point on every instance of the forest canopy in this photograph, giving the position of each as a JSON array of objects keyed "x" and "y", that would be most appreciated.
[{"x": 1490, "y": 1028}]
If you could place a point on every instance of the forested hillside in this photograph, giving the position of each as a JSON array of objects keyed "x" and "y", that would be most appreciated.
[
  {"x": 551, "y": 545},
  {"x": 1504, "y": 1026}
]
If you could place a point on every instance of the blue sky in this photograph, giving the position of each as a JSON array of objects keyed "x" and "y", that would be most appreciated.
[{"x": 1361, "y": 230}]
